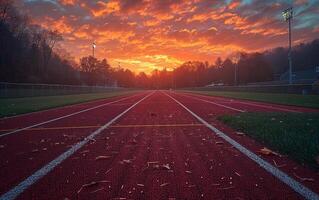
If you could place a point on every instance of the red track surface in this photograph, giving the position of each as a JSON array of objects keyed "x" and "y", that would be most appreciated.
[{"x": 157, "y": 150}]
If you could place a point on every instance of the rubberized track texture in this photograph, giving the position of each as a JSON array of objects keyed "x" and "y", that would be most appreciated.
[{"x": 152, "y": 145}]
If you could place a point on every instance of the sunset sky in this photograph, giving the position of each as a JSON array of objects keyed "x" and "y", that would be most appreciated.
[{"x": 146, "y": 34}]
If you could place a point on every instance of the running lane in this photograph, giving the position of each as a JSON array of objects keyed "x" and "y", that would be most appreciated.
[
  {"x": 210, "y": 113},
  {"x": 245, "y": 105},
  {"x": 25, "y": 120},
  {"x": 158, "y": 150},
  {"x": 24, "y": 152}
]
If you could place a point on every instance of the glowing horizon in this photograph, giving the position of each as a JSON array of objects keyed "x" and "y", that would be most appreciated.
[{"x": 144, "y": 35}]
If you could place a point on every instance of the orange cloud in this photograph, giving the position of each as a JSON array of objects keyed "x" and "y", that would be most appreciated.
[
  {"x": 61, "y": 24},
  {"x": 68, "y": 2},
  {"x": 234, "y": 5},
  {"x": 82, "y": 32},
  {"x": 105, "y": 8}
]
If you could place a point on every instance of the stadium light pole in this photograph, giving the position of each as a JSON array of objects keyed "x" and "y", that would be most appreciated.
[
  {"x": 174, "y": 78},
  {"x": 93, "y": 48},
  {"x": 235, "y": 59},
  {"x": 288, "y": 14}
]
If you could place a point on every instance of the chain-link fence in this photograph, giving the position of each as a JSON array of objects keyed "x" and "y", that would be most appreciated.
[
  {"x": 293, "y": 89},
  {"x": 16, "y": 90}
]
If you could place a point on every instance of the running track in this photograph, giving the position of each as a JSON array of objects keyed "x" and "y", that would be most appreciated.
[{"x": 149, "y": 145}]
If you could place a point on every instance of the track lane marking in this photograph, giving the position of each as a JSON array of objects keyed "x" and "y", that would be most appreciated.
[
  {"x": 282, "y": 176},
  {"x": 63, "y": 117},
  {"x": 252, "y": 104},
  {"x": 29, "y": 181},
  {"x": 112, "y": 126},
  {"x": 66, "y": 106},
  {"x": 271, "y": 107},
  {"x": 221, "y": 105}
]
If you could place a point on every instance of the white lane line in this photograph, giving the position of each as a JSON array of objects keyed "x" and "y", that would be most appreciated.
[
  {"x": 217, "y": 104},
  {"x": 255, "y": 104},
  {"x": 63, "y": 117},
  {"x": 17, "y": 190},
  {"x": 271, "y": 107},
  {"x": 285, "y": 178},
  {"x": 66, "y": 106}
]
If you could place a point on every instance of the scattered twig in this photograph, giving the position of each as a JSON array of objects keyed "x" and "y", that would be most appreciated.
[
  {"x": 237, "y": 174},
  {"x": 304, "y": 179},
  {"x": 92, "y": 184},
  {"x": 85, "y": 151},
  {"x": 102, "y": 157},
  {"x": 108, "y": 170},
  {"x": 164, "y": 184},
  {"x": 97, "y": 190},
  {"x": 226, "y": 188},
  {"x": 282, "y": 165}
]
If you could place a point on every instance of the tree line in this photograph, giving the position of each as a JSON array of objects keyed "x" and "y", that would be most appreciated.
[{"x": 27, "y": 55}]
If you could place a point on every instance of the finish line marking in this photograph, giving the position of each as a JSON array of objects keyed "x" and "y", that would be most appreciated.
[
  {"x": 282, "y": 176},
  {"x": 17, "y": 190},
  {"x": 112, "y": 126},
  {"x": 62, "y": 117}
]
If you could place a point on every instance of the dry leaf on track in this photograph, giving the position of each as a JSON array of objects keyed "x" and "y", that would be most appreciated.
[
  {"x": 152, "y": 162},
  {"x": 240, "y": 133},
  {"x": 219, "y": 142},
  {"x": 126, "y": 161},
  {"x": 267, "y": 151},
  {"x": 166, "y": 166},
  {"x": 35, "y": 150}
]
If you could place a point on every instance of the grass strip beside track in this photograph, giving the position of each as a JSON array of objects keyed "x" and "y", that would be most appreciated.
[
  {"x": 295, "y": 135},
  {"x": 311, "y": 101},
  {"x": 16, "y": 106}
]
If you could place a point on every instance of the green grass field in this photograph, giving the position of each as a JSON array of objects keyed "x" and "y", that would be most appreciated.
[
  {"x": 311, "y": 101},
  {"x": 295, "y": 135},
  {"x": 15, "y": 106}
]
